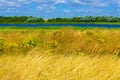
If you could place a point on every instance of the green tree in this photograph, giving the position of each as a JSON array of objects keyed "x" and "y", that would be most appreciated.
[{"x": 34, "y": 20}]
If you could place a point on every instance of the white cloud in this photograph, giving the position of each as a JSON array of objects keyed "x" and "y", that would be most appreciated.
[
  {"x": 12, "y": 10},
  {"x": 24, "y": 1},
  {"x": 118, "y": 2},
  {"x": 9, "y": 3},
  {"x": 39, "y": 0},
  {"x": 83, "y": 10},
  {"x": 66, "y": 11},
  {"x": 88, "y": 10},
  {"x": 78, "y": 2},
  {"x": 99, "y": 3},
  {"x": 46, "y": 8},
  {"x": 50, "y": 4},
  {"x": 18, "y": 3},
  {"x": 60, "y": 1}
]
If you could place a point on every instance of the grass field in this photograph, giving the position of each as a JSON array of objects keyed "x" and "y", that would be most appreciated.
[{"x": 60, "y": 54}]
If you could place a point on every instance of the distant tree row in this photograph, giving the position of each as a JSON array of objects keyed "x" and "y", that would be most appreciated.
[
  {"x": 30, "y": 19},
  {"x": 21, "y": 19},
  {"x": 87, "y": 19}
]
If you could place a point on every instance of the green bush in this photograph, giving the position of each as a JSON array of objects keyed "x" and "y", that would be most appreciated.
[{"x": 27, "y": 44}]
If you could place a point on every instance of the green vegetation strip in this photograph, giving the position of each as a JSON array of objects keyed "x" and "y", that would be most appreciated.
[{"x": 52, "y": 28}]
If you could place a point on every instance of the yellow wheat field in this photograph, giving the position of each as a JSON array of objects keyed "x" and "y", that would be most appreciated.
[
  {"x": 59, "y": 67},
  {"x": 64, "y": 54}
]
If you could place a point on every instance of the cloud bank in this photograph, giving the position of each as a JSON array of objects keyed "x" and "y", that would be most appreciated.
[{"x": 59, "y": 8}]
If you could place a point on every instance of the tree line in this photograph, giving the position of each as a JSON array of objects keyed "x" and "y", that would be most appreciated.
[
  {"x": 31, "y": 19},
  {"x": 20, "y": 19}
]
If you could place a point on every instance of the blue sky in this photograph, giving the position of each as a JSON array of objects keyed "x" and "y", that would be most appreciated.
[{"x": 59, "y": 8}]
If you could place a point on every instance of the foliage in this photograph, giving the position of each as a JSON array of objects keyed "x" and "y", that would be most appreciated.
[
  {"x": 27, "y": 44},
  {"x": 87, "y": 19},
  {"x": 13, "y": 46},
  {"x": 13, "y": 19},
  {"x": 1, "y": 44},
  {"x": 34, "y": 20},
  {"x": 31, "y": 19}
]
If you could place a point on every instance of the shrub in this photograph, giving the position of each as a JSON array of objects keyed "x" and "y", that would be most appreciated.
[
  {"x": 64, "y": 41},
  {"x": 2, "y": 44},
  {"x": 13, "y": 47},
  {"x": 27, "y": 44}
]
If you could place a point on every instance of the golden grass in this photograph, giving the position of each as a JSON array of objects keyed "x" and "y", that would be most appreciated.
[
  {"x": 59, "y": 67},
  {"x": 64, "y": 54},
  {"x": 63, "y": 41}
]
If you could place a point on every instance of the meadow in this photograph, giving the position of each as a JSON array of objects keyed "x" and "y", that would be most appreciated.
[{"x": 59, "y": 54}]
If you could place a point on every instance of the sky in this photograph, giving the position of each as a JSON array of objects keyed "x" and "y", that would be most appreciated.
[{"x": 59, "y": 8}]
